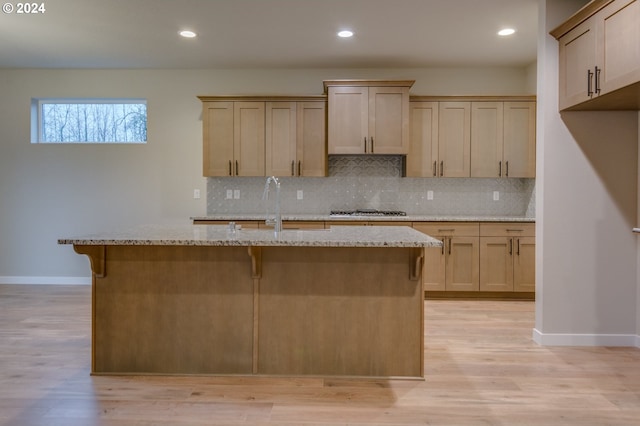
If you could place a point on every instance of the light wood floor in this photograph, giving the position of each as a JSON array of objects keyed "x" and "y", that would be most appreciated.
[{"x": 481, "y": 369}]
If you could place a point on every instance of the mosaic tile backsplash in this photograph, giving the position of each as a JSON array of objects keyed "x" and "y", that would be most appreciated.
[{"x": 377, "y": 183}]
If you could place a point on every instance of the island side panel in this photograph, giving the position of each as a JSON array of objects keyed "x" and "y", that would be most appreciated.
[
  {"x": 174, "y": 310},
  {"x": 340, "y": 311}
]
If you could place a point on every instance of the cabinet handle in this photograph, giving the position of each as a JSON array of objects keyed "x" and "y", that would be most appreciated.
[
  {"x": 510, "y": 246},
  {"x": 507, "y": 172},
  {"x": 597, "y": 76},
  {"x": 365, "y": 144},
  {"x": 589, "y": 78},
  {"x": 230, "y": 171},
  {"x": 300, "y": 168},
  {"x": 372, "y": 144},
  {"x": 449, "y": 245},
  {"x": 237, "y": 168},
  {"x": 444, "y": 244},
  {"x": 518, "y": 252},
  {"x": 293, "y": 164},
  {"x": 441, "y": 168},
  {"x": 499, "y": 168},
  {"x": 435, "y": 168}
]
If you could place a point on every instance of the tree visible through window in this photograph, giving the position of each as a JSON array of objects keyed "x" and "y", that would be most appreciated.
[{"x": 93, "y": 121}]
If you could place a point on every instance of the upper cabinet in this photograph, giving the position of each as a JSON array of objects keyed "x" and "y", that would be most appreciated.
[
  {"x": 249, "y": 136},
  {"x": 472, "y": 137},
  {"x": 503, "y": 139},
  {"x": 368, "y": 116},
  {"x": 599, "y": 63}
]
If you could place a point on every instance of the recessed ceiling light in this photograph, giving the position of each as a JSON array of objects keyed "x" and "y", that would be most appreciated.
[
  {"x": 506, "y": 32},
  {"x": 188, "y": 34},
  {"x": 345, "y": 34}
]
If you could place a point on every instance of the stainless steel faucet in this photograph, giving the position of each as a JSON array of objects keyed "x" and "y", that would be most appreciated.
[{"x": 277, "y": 219}]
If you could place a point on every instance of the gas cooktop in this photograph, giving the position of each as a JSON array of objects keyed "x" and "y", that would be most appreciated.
[{"x": 367, "y": 212}]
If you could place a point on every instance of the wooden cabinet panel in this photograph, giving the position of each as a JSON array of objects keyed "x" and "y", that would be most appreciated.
[
  {"x": 496, "y": 264},
  {"x": 462, "y": 270},
  {"x": 389, "y": 120},
  {"x": 524, "y": 268},
  {"x": 434, "y": 269},
  {"x": 348, "y": 119},
  {"x": 311, "y": 146},
  {"x": 422, "y": 158},
  {"x": 454, "y": 139},
  {"x": 218, "y": 139},
  {"x": 577, "y": 59},
  {"x": 519, "y": 155},
  {"x": 248, "y": 138},
  {"x": 487, "y": 138},
  {"x": 280, "y": 138}
]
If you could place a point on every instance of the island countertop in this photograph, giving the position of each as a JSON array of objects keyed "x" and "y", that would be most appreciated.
[
  {"x": 366, "y": 218},
  {"x": 218, "y": 235}
]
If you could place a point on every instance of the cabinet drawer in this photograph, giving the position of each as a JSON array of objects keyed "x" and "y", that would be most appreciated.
[
  {"x": 515, "y": 229},
  {"x": 453, "y": 229}
]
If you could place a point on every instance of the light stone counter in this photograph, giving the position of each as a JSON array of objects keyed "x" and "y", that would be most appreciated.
[
  {"x": 216, "y": 235},
  {"x": 364, "y": 218}
]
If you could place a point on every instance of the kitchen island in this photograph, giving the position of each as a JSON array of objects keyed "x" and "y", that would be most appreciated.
[{"x": 203, "y": 299}]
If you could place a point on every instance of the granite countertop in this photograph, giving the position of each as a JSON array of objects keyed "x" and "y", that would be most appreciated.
[
  {"x": 219, "y": 235},
  {"x": 408, "y": 218}
]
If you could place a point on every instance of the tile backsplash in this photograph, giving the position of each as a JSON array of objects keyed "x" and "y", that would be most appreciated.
[{"x": 377, "y": 183}]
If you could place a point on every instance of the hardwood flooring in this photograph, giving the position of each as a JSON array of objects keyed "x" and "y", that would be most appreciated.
[{"x": 481, "y": 368}]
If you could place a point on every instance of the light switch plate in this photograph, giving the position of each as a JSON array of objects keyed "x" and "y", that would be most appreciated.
[
  {"x": 300, "y": 194},
  {"x": 229, "y": 194},
  {"x": 496, "y": 195},
  {"x": 429, "y": 195},
  {"x": 236, "y": 194},
  {"x": 196, "y": 194}
]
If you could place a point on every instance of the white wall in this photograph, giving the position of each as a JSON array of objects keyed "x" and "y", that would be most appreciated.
[
  {"x": 586, "y": 205},
  {"x": 48, "y": 192}
]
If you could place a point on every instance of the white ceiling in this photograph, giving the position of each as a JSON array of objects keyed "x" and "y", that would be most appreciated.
[{"x": 269, "y": 34}]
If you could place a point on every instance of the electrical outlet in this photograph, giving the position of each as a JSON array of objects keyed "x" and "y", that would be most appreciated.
[
  {"x": 236, "y": 194},
  {"x": 429, "y": 195},
  {"x": 300, "y": 194},
  {"x": 496, "y": 195},
  {"x": 196, "y": 194},
  {"x": 229, "y": 194}
]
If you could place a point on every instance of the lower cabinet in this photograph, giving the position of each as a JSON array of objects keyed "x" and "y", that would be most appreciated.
[
  {"x": 507, "y": 257},
  {"x": 454, "y": 266},
  {"x": 485, "y": 258}
]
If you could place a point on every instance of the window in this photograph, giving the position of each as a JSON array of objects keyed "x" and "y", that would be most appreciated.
[{"x": 89, "y": 121}]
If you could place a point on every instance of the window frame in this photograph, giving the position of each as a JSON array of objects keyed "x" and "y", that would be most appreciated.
[{"x": 37, "y": 130}]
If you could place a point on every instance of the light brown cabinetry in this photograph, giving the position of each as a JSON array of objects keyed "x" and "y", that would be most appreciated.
[
  {"x": 507, "y": 257},
  {"x": 422, "y": 158},
  {"x": 599, "y": 60},
  {"x": 256, "y": 136},
  {"x": 295, "y": 139},
  {"x": 455, "y": 265},
  {"x": 454, "y": 139},
  {"x": 233, "y": 138},
  {"x": 368, "y": 117},
  {"x": 503, "y": 141}
]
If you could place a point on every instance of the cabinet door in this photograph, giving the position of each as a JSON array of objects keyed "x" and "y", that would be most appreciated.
[
  {"x": 462, "y": 268},
  {"x": 496, "y": 263},
  {"x": 577, "y": 58},
  {"x": 217, "y": 145},
  {"x": 388, "y": 120},
  {"x": 524, "y": 267},
  {"x": 433, "y": 269},
  {"x": 454, "y": 139},
  {"x": 348, "y": 119},
  {"x": 280, "y": 138},
  {"x": 519, "y": 159},
  {"x": 619, "y": 45},
  {"x": 423, "y": 139},
  {"x": 486, "y": 139},
  {"x": 248, "y": 136},
  {"x": 311, "y": 139}
]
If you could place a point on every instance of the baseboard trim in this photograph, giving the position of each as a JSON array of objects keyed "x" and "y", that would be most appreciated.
[
  {"x": 46, "y": 280},
  {"x": 564, "y": 339}
]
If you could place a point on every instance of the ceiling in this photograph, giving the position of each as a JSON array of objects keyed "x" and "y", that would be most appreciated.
[{"x": 269, "y": 34}]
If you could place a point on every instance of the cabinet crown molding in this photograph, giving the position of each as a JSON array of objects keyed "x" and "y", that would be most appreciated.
[
  {"x": 375, "y": 83},
  {"x": 588, "y": 10},
  {"x": 262, "y": 98}
]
